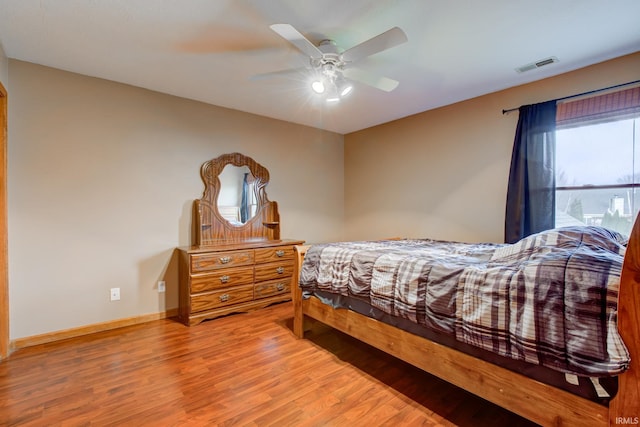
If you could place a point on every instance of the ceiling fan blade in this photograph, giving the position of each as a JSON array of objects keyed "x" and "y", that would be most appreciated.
[
  {"x": 289, "y": 33},
  {"x": 280, "y": 73},
  {"x": 379, "y": 82},
  {"x": 384, "y": 41}
]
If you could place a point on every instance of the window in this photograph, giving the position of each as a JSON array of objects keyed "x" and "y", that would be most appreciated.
[{"x": 598, "y": 161}]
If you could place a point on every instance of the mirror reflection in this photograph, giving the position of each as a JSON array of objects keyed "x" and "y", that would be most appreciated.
[{"x": 237, "y": 199}]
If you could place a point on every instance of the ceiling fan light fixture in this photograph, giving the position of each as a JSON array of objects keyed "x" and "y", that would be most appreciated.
[
  {"x": 332, "y": 94},
  {"x": 318, "y": 86},
  {"x": 331, "y": 84},
  {"x": 344, "y": 89}
]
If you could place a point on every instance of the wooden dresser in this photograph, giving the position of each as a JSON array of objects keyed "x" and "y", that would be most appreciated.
[
  {"x": 232, "y": 278},
  {"x": 238, "y": 262}
]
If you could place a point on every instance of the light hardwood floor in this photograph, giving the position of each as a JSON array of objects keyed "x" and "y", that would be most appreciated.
[{"x": 240, "y": 370}]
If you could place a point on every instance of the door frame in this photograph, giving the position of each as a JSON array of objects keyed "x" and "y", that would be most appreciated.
[{"x": 4, "y": 275}]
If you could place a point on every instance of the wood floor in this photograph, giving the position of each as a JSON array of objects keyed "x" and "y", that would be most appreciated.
[{"x": 240, "y": 370}]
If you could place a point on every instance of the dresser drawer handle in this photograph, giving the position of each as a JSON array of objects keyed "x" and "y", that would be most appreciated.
[
  {"x": 225, "y": 260},
  {"x": 224, "y": 298},
  {"x": 280, "y": 253},
  {"x": 280, "y": 286},
  {"x": 280, "y": 270},
  {"x": 224, "y": 279}
]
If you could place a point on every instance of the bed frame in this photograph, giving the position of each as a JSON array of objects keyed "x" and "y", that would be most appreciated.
[{"x": 538, "y": 402}]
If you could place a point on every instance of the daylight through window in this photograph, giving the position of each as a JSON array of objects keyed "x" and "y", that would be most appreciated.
[{"x": 598, "y": 173}]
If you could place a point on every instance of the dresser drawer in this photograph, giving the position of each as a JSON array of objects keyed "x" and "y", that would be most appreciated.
[
  {"x": 275, "y": 270},
  {"x": 278, "y": 253},
  {"x": 215, "y": 260},
  {"x": 271, "y": 288},
  {"x": 221, "y": 298},
  {"x": 222, "y": 278}
]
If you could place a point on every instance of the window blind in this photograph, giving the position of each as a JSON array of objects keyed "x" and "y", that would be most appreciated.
[{"x": 601, "y": 108}]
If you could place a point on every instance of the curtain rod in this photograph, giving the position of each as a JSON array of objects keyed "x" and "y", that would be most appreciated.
[{"x": 580, "y": 94}]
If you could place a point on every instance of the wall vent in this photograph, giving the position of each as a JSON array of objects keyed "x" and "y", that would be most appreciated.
[{"x": 537, "y": 64}]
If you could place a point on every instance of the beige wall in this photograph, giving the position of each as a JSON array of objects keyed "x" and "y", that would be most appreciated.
[
  {"x": 443, "y": 173},
  {"x": 102, "y": 176},
  {"x": 101, "y": 181}
]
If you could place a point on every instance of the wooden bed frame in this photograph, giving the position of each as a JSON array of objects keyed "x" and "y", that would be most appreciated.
[{"x": 538, "y": 402}]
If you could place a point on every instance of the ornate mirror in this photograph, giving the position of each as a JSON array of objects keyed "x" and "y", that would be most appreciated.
[{"x": 234, "y": 206}]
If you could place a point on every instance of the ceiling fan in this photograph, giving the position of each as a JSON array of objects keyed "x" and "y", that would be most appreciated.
[{"x": 331, "y": 68}]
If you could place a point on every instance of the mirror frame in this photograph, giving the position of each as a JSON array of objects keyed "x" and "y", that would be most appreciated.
[{"x": 211, "y": 228}]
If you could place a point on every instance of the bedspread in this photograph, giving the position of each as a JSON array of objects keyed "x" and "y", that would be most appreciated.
[{"x": 549, "y": 299}]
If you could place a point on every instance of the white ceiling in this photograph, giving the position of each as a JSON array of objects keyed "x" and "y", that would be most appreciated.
[{"x": 207, "y": 50}]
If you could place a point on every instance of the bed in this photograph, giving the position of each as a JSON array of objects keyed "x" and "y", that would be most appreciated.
[{"x": 336, "y": 294}]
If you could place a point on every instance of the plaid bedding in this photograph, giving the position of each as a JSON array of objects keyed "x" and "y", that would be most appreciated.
[{"x": 550, "y": 299}]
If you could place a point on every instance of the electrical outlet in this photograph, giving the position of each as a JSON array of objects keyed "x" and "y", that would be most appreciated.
[
  {"x": 115, "y": 294},
  {"x": 161, "y": 286}
]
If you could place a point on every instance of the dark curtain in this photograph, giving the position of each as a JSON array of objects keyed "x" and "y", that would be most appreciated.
[
  {"x": 531, "y": 203},
  {"x": 244, "y": 203}
]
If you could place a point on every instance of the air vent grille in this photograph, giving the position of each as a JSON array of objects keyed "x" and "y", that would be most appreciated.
[{"x": 537, "y": 64}]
